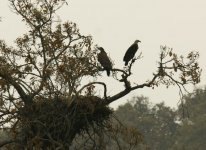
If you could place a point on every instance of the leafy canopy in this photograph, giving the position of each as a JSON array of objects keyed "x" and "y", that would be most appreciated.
[{"x": 41, "y": 79}]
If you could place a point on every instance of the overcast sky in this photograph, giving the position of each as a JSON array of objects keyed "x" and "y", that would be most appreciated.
[{"x": 115, "y": 24}]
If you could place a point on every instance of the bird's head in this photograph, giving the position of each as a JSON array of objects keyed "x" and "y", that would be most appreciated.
[
  {"x": 137, "y": 41},
  {"x": 101, "y": 49}
]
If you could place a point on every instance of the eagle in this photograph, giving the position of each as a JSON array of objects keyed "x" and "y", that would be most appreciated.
[
  {"x": 131, "y": 52},
  {"x": 104, "y": 60}
]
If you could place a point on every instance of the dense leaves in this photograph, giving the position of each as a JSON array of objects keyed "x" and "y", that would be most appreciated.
[
  {"x": 192, "y": 133},
  {"x": 156, "y": 123},
  {"x": 164, "y": 128},
  {"x": 43, "y": 93}
]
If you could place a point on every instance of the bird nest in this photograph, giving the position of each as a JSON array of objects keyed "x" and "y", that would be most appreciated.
[{"x": 54, "y": 120}]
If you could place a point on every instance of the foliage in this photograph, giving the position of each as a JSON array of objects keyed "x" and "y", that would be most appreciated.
[
  {"x": 43, "y": 101},
  {"x": 164, "y": 128},
  {"x": 115, "y": 136},
  {"x": 192, "y": 133},
  {"x": 156, "y": 123}
]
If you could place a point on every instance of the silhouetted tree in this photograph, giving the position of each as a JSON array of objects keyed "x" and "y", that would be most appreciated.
[
  {"x": 43, "y": 102},
  {"x": 155, "y": 122},
  {"x": 192, "y": 131}
]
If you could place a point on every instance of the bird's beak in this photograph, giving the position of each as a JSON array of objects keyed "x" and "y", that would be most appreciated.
[
  {"x": 96, "y": 47},
  {"x": 99, "y": 48}
]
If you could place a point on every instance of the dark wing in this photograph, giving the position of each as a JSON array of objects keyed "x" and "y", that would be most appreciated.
[
  {"x": 130, "y": 53},
  {"x": 105, "y": 62}
]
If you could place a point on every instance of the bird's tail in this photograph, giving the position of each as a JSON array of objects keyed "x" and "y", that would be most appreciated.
[
  {"x": 126, "y": 63},
  {"x": 108, "y": 72}
]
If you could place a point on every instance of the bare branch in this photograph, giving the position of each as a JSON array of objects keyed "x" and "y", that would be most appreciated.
[
  {"x": 89, "y": 84},
  {"x": 128, "y": 90},
  {"x": 21, "y": 92}
]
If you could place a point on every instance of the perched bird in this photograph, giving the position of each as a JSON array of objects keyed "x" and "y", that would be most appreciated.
[
  {"x": 131, "y": 52},
  {"x": 104, "y": 60}
]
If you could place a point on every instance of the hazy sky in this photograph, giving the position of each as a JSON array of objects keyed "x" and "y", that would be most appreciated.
[{"x": 115, "y": 24}]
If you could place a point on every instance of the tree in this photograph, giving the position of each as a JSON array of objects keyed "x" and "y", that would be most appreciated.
[
  {"x": 43, "y": 99},
  {"x": 192, "y": 131},
  {"x": 155, "y": 122}
]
